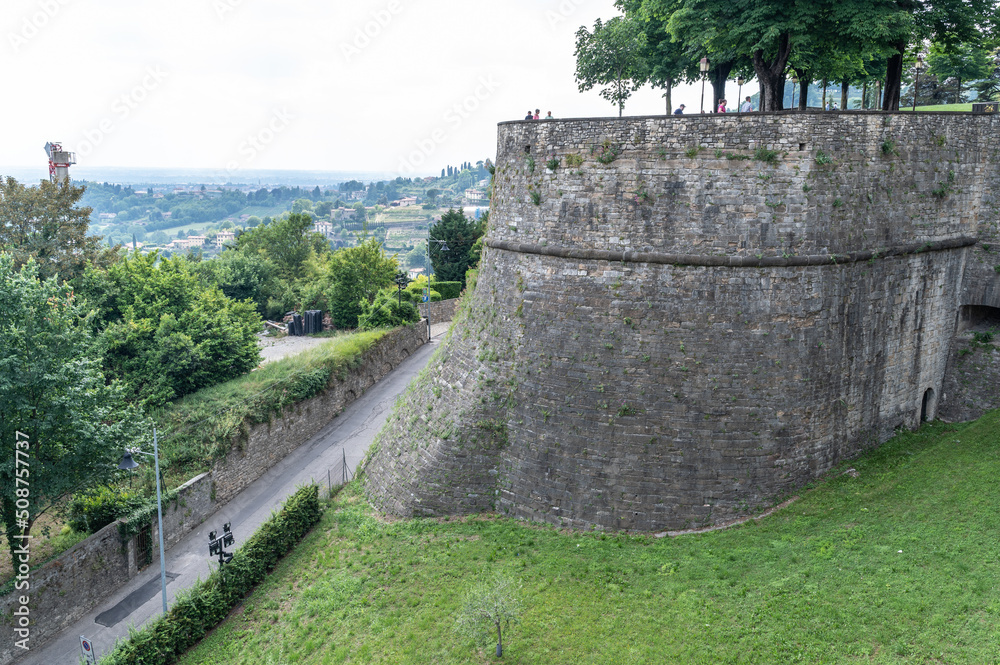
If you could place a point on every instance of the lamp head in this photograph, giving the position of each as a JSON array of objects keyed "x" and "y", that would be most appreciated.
[
  {"x": 703, "y": 65},
  {"x": 740, "y": 81},
  {"x": 127, "y": 462}
]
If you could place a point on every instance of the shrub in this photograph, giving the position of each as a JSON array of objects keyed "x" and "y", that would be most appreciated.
[
  {"x": 448, "y": 290},
  {"x": 194, "y": 614},
  {"x": 764, "y": 155},
  {"x": 92, "y": 510},
  {"x": 574, "y": 159},
  {"x": 823, "y": 158},
  {"x": 388, "y": 311}
]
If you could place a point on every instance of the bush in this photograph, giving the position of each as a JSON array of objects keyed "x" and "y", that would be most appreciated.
[
  {"x": 387, "y": 312},
  {"x": 94, "y": 509},
  {"x": 195, "y": 613},
  {"x": 448, "y": 290}
]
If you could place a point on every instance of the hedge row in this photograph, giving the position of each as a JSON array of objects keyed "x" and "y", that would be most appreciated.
[
  {"x": 196, "y": 612},
  {"x": 448, "y": 290}
]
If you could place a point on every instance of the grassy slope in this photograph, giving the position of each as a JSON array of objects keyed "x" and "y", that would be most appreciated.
[{"x": 897, "y": 565}]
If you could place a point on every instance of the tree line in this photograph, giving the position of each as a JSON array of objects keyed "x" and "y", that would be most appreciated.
[
  {"x": 662, "y": 42},
  {"x": 93, "y": 338}
]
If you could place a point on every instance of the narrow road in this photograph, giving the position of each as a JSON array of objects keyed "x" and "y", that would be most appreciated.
[{"x": 350, "y": 433}]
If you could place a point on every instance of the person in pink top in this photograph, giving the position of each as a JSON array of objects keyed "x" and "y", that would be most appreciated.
[
  {"x": 722, "y": 106},
  {"x": 537, "y": 112}
]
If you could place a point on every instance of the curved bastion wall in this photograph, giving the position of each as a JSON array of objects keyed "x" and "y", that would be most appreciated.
[{"x": 680, "y": 319}]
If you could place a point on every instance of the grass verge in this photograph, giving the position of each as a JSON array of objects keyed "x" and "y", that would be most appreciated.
[
  {"x": 200, "y": 428},
  {"x": 896, "y": 564}
]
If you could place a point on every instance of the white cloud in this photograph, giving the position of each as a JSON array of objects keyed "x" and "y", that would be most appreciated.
[{"x": 366, "y": 81}]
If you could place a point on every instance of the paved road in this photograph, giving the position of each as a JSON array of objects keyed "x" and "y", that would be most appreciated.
[{"x": 351, "y": 433}]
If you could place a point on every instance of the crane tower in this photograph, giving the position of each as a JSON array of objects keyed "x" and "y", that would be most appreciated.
[{"x": 59, "y": 162}]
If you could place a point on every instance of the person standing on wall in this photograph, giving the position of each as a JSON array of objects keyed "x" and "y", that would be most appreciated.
[
  {"x": 679, "y": 110},
  {"x": 537, "y": 113},
  {"x": 529, "y": 116},
  {"x": 722, "y": 106},
  {"x": 746, "y": 106}
]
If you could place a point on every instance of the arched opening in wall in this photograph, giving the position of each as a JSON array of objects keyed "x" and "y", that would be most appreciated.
[
  {"x": 978, "y": 318},
  {"x": 927, "y": 408}
]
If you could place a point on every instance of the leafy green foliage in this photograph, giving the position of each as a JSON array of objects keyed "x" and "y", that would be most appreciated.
[
  {"x": 762, "y": 154},
  {"x": 822, "y": 158},
  {"x": 54, "y": 399},
  {"x": 93, "y": 509},
  {"x": 355, "y": 275},
  {"x": 448, "y": 290},
  {"x": 163, "y": 334},
  {"x": 611, "y": 56},
  {"x": 44, "y": 223},
  {"x": 607, "y": 152},
  {"x": 201, "y": 427},
  {"x": 286, "y": 242},
  {"x": 460, "y": 233},
  {"x": 387, "y": 311},
  {"x": 197, "y": 612},
  {"x": 490, "y": 607}
]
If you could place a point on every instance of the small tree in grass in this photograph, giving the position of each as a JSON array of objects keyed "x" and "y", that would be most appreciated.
[{"x": 493, "y": 604}]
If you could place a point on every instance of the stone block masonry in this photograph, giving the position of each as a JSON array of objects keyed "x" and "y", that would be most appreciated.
[{"x": 679, "y": 320}]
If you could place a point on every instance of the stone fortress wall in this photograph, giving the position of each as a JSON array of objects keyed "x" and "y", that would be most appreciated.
[{"x": 690, "y": 317}]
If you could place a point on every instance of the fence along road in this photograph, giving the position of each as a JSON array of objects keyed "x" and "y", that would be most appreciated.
[{"x": 325, "y": 459}]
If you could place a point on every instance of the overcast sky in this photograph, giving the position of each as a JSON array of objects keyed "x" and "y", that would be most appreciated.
[{"x": 402, "y": 86}]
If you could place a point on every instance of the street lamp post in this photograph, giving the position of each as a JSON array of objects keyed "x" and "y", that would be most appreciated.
[
  {"x": 703, "y": 67},
  {"x": 739, "y": 94},
  {"x": 795, "y": 84},
  {"x": 427, "y": 291},
  {"x": 401, "y": 281},
  {"x": 129, "y": 463},
  {"x": 917, "y": 68}
]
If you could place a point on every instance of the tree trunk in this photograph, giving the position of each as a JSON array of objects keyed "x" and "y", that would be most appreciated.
[
  {"x": 803, "y": 93},
  {"x": 770, "y": 75},
  {"x": 666, "y": 96},
  {"x": 893, "y": 78},
  {"x": 958, "y": 97},
  {"x": 864, "y": 96},
  {"x": 823, "y": 103},
  {"x": 718, "y": 75},
  {"x": 878, "y": 95},
  {"x": 843, "y": 95}
]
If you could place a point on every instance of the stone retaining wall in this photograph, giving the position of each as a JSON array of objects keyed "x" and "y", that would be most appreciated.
[
  {"x": 70, "y": 586},
  {"x": 269, "y": 443},
  {"x": 443, "y": 310}
]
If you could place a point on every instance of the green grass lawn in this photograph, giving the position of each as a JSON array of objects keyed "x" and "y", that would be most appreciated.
[
  {"x": 897, "y": 565},
  {"x": 943, "y": 107}
]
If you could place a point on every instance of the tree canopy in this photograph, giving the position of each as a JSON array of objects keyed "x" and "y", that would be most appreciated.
[
  {"x": 58, "y": 414},
  {"x": 612, "y": 56},
  {"x": 832, "y": 40},
  {"x": 44, "y": 223},
  {"x": 459, "y": 233}
]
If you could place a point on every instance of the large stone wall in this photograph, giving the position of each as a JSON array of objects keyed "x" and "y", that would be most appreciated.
[{"x": 699, "y": 325}]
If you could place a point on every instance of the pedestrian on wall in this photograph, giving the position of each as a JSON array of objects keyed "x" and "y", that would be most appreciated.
[
  {"x": 722, "y": 106},
  {"x": 537, "y": 113},
  {"x": 679, "y": 110},
  {"x": 746, "y": 106},
  {"x": 529, "y": 116},
  {"x": 550, "y": 116}
]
